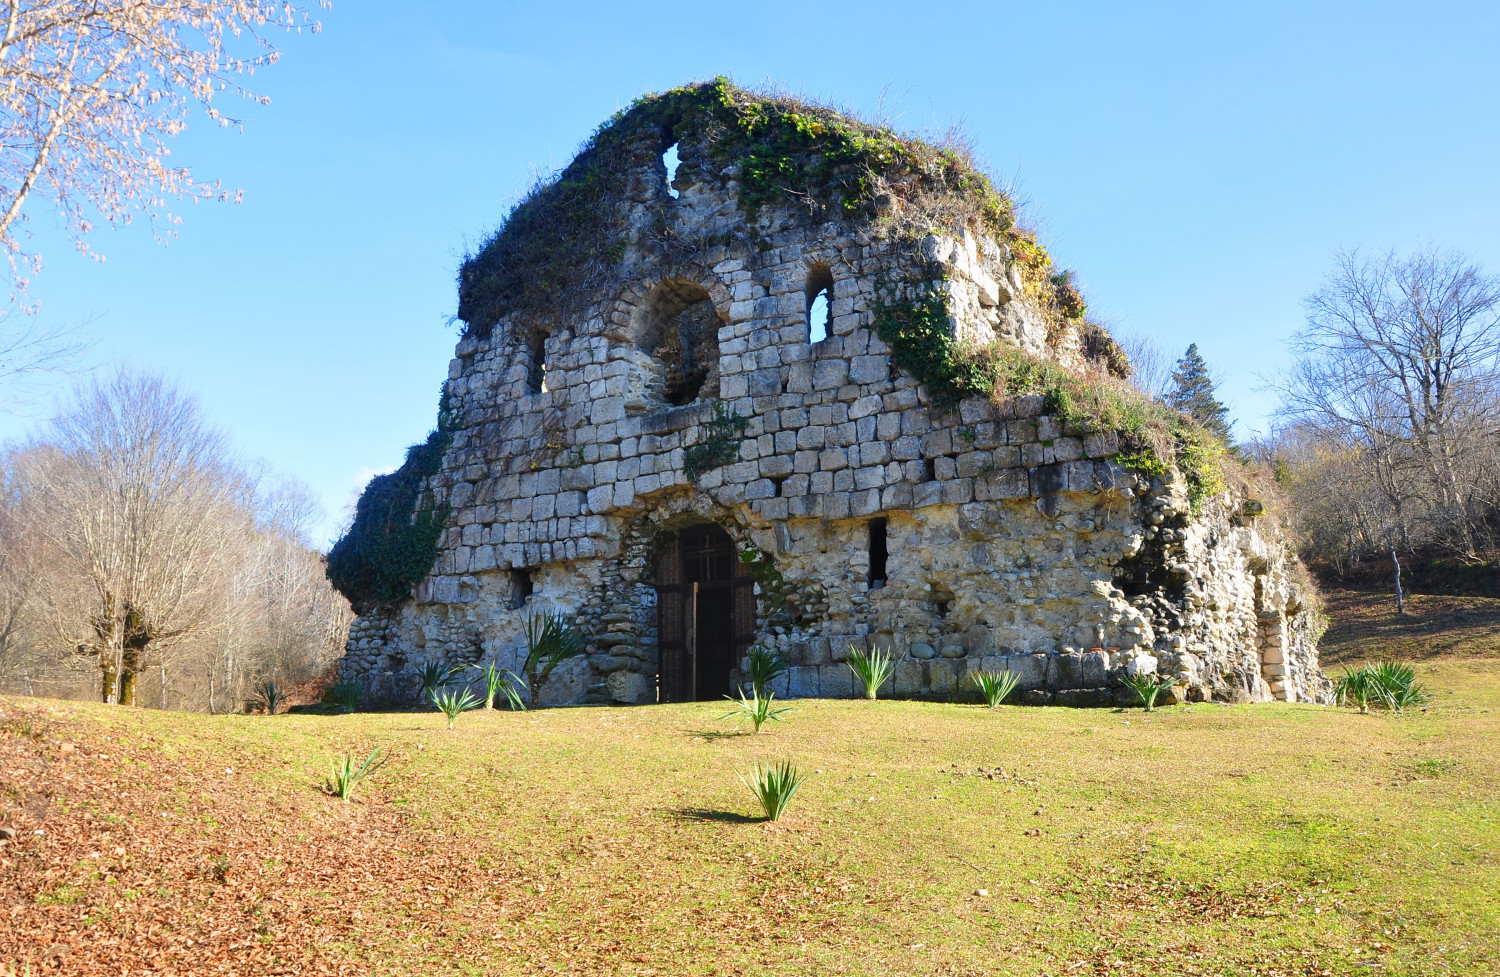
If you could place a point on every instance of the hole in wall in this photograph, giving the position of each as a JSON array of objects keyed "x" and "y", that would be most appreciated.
[
  {"x": 778, "y": 481},
  {"x": 819, "y": 296},
  {"x": 670, "y": 160},
  {"x": 536, "y": 363},
  {"x": 521, "y": 587},
  {"x": 682, "y": 335},
  {"x": 879, "y": 553}
]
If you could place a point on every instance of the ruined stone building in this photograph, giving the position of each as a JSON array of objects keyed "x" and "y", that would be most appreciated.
[{"x": 814, "y": 390}]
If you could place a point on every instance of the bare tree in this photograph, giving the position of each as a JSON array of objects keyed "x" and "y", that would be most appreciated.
[
  {"x": 140, "y": 511},
  {"x": 1151, "y": 367},
  {"x": 90, "y": 94},
  {"x": 1401, "y": 358}
]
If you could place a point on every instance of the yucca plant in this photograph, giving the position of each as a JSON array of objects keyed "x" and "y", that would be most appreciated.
[
  {"x": 1356, "y": 687},
  {"x": 452, "y": 702},
  {"x": 345, "y": 773},
  {"x": 1147, "y": 688},
  {"x": 1387, "y": 683},
  {"x": 435, "y": 675},
  {"x": 1397, "y": 685},
  {"x": 764, "y": 666},
  {"x": 757, "y": 708},
  {"x": 872, "y": 668},
  {"x": 995, "y": 686},
  {"x": 270, "y": 695},
  {"x": 774, "y": 786},
  {"x": 347, "y": 693},
  {"x": 551, "y": 638},
  {"x": 501, "y": 684}
]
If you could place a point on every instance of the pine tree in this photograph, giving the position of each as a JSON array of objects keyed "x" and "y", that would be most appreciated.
[{"x": 1192, "y": 393}]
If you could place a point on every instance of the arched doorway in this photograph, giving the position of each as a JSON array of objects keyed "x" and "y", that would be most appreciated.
[{"x": 705, "y": 614}]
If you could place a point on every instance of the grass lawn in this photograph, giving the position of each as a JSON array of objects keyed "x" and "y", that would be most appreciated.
[{"x": 927, "y": 839}]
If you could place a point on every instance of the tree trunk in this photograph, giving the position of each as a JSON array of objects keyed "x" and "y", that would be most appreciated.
[{"x": 1400, "y": 597}]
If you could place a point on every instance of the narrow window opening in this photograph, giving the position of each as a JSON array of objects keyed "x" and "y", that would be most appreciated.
[
  {"x": 819, "y": 297},
  {"x": 536, "y": 363},
  {"x": 778, "y": 481},
  {"x": 878, "y": 553},
  {"x": 942, "y": 600},
  {"x": 929, "y": 470},
  {"x": 521, "y": 587},
  {"x": 670, "y": 161}
]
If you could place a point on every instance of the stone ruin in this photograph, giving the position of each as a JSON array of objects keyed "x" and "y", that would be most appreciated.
[{"x": 684, "y": 412}]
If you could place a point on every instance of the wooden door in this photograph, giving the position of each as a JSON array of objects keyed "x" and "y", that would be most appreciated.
[
  {"x": 672, "y": 647},
  {"x": 744, "y": 609}
]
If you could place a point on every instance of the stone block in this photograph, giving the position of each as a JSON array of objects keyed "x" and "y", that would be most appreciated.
[
  {"x": 835, "y": 681},
  {"x": 802, "y": 682},
  {"x": 905, "y": 680},
  {"x": 1084, "y": 698},
  {"x": 629, "y": 687}
]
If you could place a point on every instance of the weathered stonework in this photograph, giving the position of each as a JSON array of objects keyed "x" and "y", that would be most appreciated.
[{"x": 1014, "y": 541}]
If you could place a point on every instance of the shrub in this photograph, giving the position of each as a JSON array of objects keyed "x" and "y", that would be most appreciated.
[
  {"x": 269, "y": 694},
  {"x": 1356, "y": 687},
  {"x": 435, "y": 675},
  {"x": 1147, "y": 688},
  {"x": 501, "y": 683},
  {"x": 995, "y": 686},
  {"x": 765, "y": 666},
  {"x": 872, "y": 668},
  {"x": 393, "y": 541},
  {"x": 452, "y": 702},
  {"x": 1388, "y": 683},
  {"x": 344, "y": 774},
  {"x": 774, "y": 786},
  {"x": 347, "y": 693},
  {"x": 756, "y": 708},
  {"x": 1397, "y": 686},
  {"x": 551, "y": 637}
]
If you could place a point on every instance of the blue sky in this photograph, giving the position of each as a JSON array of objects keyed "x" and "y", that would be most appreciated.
[{"x": 1197, "y": 164}]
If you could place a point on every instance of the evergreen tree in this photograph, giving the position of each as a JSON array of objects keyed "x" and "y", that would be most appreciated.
[{"x": 1192, "y": 392}]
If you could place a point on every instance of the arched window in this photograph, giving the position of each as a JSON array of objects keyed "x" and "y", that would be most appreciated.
[
  {"x": 819, "y": 298},
  {"x": 680, "y": 331},
  {"x": 536, "y": 362},
  {"x": 670, "y": 161}
]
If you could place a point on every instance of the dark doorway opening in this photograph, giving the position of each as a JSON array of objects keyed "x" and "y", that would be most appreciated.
[{"x": 705, "y": 614}]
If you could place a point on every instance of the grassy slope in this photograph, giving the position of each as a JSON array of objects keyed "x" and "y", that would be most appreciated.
[{"x": 1199, "y": 840}]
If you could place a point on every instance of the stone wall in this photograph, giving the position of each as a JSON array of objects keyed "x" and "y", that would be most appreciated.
[{"x": 1015, "y": 541}]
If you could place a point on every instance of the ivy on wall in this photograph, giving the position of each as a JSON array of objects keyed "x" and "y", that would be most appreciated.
[{"x": 393, "y": 542}]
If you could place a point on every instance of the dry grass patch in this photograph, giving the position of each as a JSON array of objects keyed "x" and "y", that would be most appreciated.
[{"x": 927, "y": 839}]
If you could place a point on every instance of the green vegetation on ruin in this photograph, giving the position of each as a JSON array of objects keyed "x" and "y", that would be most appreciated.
[
  {"x": 392, "y": 543},
  {"x": 565, "y": 236},
  {"x": 912, "y": 319}
]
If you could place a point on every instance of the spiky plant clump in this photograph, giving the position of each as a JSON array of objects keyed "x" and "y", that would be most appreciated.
[
  {"x": 995, "y": 686},
  {"x": 502, "y": 684},
  {"x": 1397, "y": 685},
  {"x": 347, "y": 693},
  {"x": 551, "y": 638},
  {"x": 270, "y": 695},
  {"x": 1388, "y": 683},
  {"x": 774, "y": 786},
  {"x": 453, "y": 702},
  {"x": 1356, "y": 687},
  {"x": 756, "y": 708},
  {"x": 345, "y": 773},
  {"x": 764, "y": 666},
  {"x": 1147, "y": 688},
  {"x": 873, "y": 668},
  {"x": 435, "y": 675}
]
